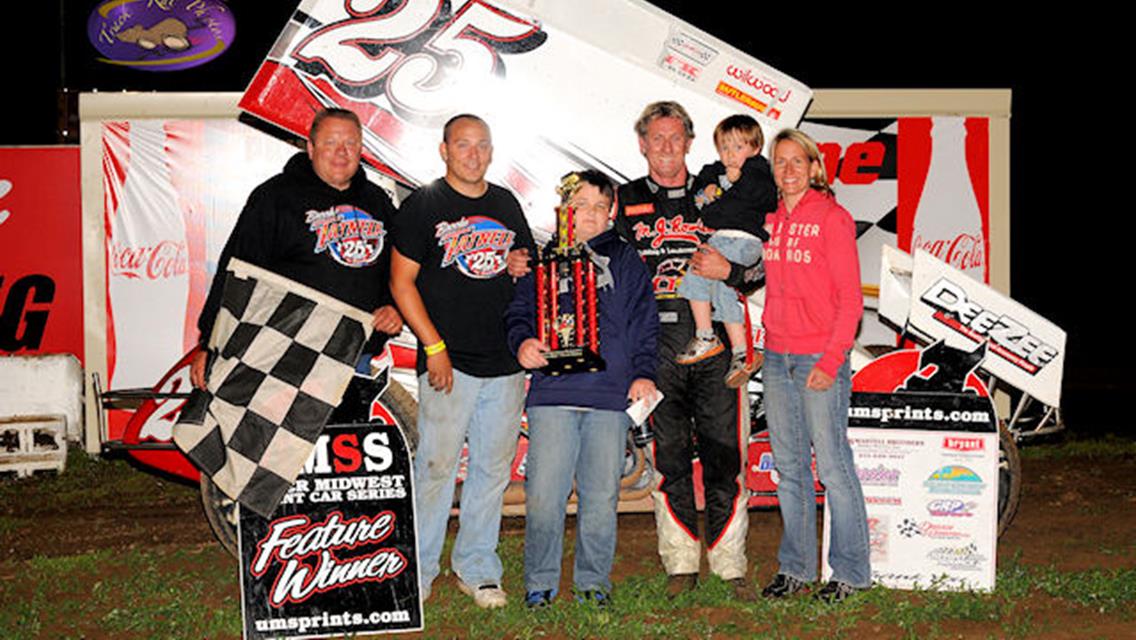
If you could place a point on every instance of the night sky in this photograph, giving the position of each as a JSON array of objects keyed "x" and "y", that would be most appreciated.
[{"x": 1069, "y": 262}]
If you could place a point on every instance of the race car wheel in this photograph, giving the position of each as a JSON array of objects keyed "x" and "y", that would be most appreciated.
[{"x": 1009, "y": 478}]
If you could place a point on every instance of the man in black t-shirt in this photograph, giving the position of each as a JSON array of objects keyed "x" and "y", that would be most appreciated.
[{"x": 449, "y": 277}]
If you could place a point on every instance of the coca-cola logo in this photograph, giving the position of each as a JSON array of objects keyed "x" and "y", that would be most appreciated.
[
  {"x": 166, "y": 259},
  {"x": 757, "y": 83},
  {"x": 965, "y": 252}
]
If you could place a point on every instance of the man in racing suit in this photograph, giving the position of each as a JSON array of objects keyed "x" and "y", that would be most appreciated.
[{"x": 657, "y": 215}]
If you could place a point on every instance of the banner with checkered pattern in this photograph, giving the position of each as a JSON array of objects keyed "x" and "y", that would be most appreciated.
[{"x": 283, "y": 356}]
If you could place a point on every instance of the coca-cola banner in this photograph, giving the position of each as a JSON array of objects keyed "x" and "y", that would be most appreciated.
[
  {"x": 560, "y": 83},
  {"x": 339, "y": 555},
  {"x": 1024, "y": 349},
  {"x": 172, "y": 191},
  {"x": 41, "y": 286}
]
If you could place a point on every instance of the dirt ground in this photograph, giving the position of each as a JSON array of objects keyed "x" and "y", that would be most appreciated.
[{"x": 1076, "y": 514}]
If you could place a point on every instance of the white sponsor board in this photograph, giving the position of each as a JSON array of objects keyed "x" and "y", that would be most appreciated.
[
  {"x": 1024, "y": 349},
  {"x": 932, "y": 504}
]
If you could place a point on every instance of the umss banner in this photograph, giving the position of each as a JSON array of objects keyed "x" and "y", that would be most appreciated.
[
  {"x": 339, "y": 555},
  {"x": 560, "y": 83}
]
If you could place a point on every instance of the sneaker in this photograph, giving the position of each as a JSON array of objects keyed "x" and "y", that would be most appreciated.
[
  {"x": 486, "y": 596},
  {"x": 699, "y": 349},
  {"x": 743, "y": 590},
  {"x": 739, "y": 373},
  {"x": 598, "y": 597},
  {"x": 835, "y": 592},
  {"x": 679, "y": 583},
  {"x": 782, "y": 586},
  {"x": 540, "y": 599}
]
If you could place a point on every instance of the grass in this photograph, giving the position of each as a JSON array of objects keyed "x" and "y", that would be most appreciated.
[
  {"x": 89, "y": 479},
  {"x": 164, "y": 592},
  {"x": 184, "y": 593},
  {"x": 192, "y": 594},
  {"x": 1072, "y": 447}
]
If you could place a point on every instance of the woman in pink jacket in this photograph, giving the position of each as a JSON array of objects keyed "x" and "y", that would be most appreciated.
[{"x": 812, "y": 307}]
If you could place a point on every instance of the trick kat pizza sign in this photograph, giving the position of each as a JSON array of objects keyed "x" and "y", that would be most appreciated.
[{"x": 338, "y": 555}]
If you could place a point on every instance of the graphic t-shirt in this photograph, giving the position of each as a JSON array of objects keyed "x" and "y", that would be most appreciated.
[
  {"x": 461, "y": 245},
  {"x": 299, "y": 227}
]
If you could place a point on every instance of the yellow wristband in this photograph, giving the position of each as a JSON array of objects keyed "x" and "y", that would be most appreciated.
[{"x": 436, "y": 348}]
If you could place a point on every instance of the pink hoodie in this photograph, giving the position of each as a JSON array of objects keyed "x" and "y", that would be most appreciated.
[{"x": 812, "y": 288}]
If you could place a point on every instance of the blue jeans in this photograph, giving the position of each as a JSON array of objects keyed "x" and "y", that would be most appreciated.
[
  {"x": 723, "y": 298},
  {"x": 487, "y": 411},
  {"x": 797, "y": 417},
  {"x": 588, "y": 444}
]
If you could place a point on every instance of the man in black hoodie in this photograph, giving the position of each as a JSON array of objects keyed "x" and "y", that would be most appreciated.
[{"x": 320, "y": 223}]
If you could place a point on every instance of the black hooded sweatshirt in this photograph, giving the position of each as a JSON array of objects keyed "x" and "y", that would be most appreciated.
[{"x": 302, "y": 228}]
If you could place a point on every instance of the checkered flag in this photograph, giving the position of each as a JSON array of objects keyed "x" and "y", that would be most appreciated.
[{"x": 284, "y": 356}]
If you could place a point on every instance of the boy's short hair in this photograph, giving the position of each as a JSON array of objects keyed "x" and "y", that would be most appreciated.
[
  {"x": 597, "y": 179},
  {"x": 744, "y": 126}
]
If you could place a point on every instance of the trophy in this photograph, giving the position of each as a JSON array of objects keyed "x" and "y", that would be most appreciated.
[{"x": 564, "y": 270}]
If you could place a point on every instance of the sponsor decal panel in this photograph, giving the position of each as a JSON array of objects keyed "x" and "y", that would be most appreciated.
[
  {"x": 925, "y": 445},
  {"x": 951, "y": 508},
  {"x": 1024, "y": 349},
  {"x": 1009, "y": 337},
  {"x": 878, "y": 476},
  {"x": 753, "y": 89},
  {"x": 961, "y": 558},
  {"x": 954, "y": 479},
  {"x": 910, "y": 528}
]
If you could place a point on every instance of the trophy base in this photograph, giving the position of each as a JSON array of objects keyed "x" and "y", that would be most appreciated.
[{"x": 572, "y": 360}]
